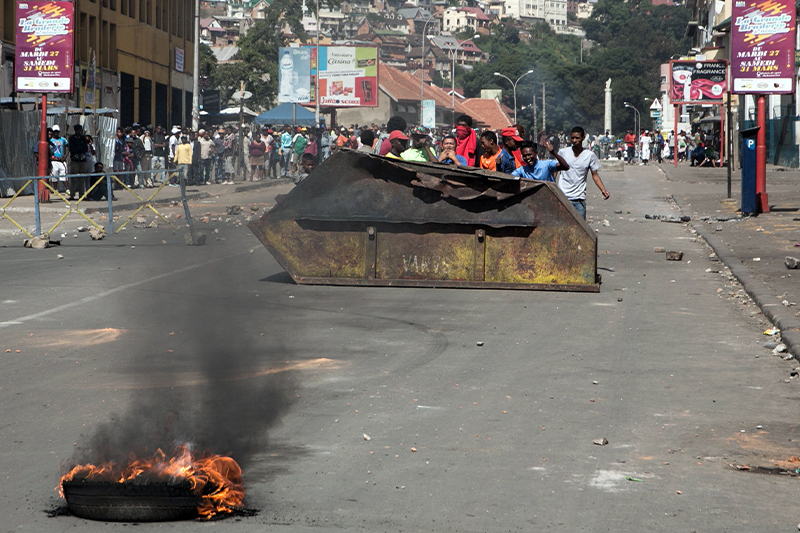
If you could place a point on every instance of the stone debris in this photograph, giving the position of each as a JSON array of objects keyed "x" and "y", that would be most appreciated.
[
  {"x": 38, "y": 243},
  {"x": 600, "y": 442},
  {"x": 792, "y": 263},
  {"x": 234, "y": 210},
  {"x": 659, "y": 249},
  {"x": 606, "y": 223},
  {"x": 141, "y": 220},
  {"x": 674, "y": 256},
  {"x": 675, "y": 219},
  {"x": 96, "y": 234}
]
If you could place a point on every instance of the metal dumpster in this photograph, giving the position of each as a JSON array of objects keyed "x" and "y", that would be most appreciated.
[{"x": 363, "y": 219}]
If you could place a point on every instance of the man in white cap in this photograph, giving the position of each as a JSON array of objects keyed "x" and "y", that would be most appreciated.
[{"x": 60, "y": 150}]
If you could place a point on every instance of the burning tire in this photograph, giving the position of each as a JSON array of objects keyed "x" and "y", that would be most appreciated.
[{"x": 131, "y": 502}]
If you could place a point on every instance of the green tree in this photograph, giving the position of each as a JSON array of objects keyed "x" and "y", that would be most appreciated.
[{"x": 631, "y": 40}]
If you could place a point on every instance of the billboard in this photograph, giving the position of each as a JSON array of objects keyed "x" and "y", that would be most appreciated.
[
  {"x": 762, "y": 46},
  {"x": 698, "y": 82},
  {"x": 294, "y": 75},
  {"x": 429, "y": 113},
  {"x": 44, "y": 56},
  {"x": 348, "y": 76}
]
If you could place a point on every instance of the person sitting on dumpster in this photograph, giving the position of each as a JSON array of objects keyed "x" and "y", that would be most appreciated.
[
  {"x": 494, "y": 158},
  {"x": 539, "y": 169},
  {"x": 511, "y": 143},
  {"x": 419, "y": 150},
  {"x": 449, "y": 155},
  {"x": 398, "y": 142},
  {"x": 307, "y": 164}
]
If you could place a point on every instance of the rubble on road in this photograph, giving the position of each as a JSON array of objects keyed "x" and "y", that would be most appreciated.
[
  {"x": 675, "y": 219},
  {"x": 96, "y": 234},
  {"x": 234, "y": 210},
  {"x": 674, "y": 256},
  {"x": 40, "y": 243},
  {"x": 791, "y": 263}
]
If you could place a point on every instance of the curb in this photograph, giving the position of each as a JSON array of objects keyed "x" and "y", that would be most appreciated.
[
  {"x": 129, "y": 206},
  {"x": 759, "y": 291}
]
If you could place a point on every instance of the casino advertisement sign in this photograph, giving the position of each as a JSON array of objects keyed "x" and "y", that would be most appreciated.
[
  {"x": 763, "y": 46},
  {"x": 44, "y": 58},
  {"x": 698, "y": 82},
  {"x": 348, "y": 76}
]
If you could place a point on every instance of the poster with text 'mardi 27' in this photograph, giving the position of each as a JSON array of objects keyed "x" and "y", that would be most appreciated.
[
  {"x": 762, "y": 46},
  {"x": 348, "y": 76},
  {"x": 44, "y": 60}
]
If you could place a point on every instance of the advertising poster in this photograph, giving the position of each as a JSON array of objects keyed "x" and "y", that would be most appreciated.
[
  {"x": 698, "y": 82},
  {"x": 44, "y": 58},
  {"x": 429, "y": 113},
  {"x": 179, "y": 59},
  {"x": 294, "y": 75},
  {"x": 762, "y": 46},
  {"x": 348, "y": 76}
]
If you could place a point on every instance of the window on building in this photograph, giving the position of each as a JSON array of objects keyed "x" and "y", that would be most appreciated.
[
  {"x": 104, "y": 48},
  {"x": 145, "y": 101},
  {"x": 159, "y": 20},
  {"x": 142, "y": 11},
  {"x": 111, "y": 51},
  {"x": 189, "y": 21},
  {"x": 94, "y": 38},
  {"x": 178, "y": 30},
  {"x": 124, "y": 7},
  {"x": 127, "y": 95},
  {"x": 131, "y": 8},
  {"x": 83, "y": 36}
]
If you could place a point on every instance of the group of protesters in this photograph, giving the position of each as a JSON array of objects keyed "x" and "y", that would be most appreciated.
[
  {"x": 505, "y": 150},
  {"x": 146, "y": 156}
]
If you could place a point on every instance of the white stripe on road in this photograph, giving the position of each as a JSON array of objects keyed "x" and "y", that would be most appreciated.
[{"x": 88, "y": 299}]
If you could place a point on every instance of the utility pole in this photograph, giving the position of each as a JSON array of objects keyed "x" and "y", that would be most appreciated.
[
  {"x": 544, "y": 110},
  {"x": 535, "y": 131},
  {"x": 196, "y": 68}
]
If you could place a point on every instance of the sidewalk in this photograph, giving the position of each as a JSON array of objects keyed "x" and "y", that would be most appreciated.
[
  {"x": 22, "y": 208},
  {"x": 753, "y": 247}
]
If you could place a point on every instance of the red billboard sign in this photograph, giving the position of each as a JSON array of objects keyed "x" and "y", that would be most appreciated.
[
  {"x": 44, "y": 56},
  {"x": 698, "y": 82},
  {"x": 762, "y": 46}
]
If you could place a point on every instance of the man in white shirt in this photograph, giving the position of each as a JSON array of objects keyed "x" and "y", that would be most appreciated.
[
  {"x": 581, "y": 161},
  {"x": 644, "y": 148}
]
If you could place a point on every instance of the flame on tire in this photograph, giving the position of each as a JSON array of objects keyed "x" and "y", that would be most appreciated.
[{"x": 215, "y": 478}]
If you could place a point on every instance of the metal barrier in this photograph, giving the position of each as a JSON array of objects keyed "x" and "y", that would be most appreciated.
[{"x": 73, "y": 206}]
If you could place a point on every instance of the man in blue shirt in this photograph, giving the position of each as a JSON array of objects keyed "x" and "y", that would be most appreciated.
[
  {"x": 449, "y": 155},
  {"x": 538, "y": 169},
  {"x": 286, "y": 151}
]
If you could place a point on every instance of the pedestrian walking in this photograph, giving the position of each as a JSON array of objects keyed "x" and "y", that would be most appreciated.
[
  {"x": 78, "y": 148},
  {"x": 581, "y": 162}
]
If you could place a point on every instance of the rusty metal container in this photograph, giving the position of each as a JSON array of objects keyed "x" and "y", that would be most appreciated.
[{"x": 362, "y": 219}]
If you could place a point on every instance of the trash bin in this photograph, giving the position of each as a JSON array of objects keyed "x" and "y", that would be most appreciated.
[{"x": 749, "y": 204}]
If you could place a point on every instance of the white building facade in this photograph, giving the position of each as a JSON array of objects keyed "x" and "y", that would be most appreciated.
[{"x": 554, "y": 12}]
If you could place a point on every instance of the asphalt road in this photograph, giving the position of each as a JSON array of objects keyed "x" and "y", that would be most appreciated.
[{"x": 140, "y": 328}]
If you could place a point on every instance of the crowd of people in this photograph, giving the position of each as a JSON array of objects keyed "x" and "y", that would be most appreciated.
[
  {"x": 508, "y": 150},
  {"x": 146, "y": 157}
]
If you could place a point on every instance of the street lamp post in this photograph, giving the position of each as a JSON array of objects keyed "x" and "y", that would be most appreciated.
[
  {"x": 637, "y": 115},
  {"x": 422, "y": 67},
  {"x": 514, "y": 85}
]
